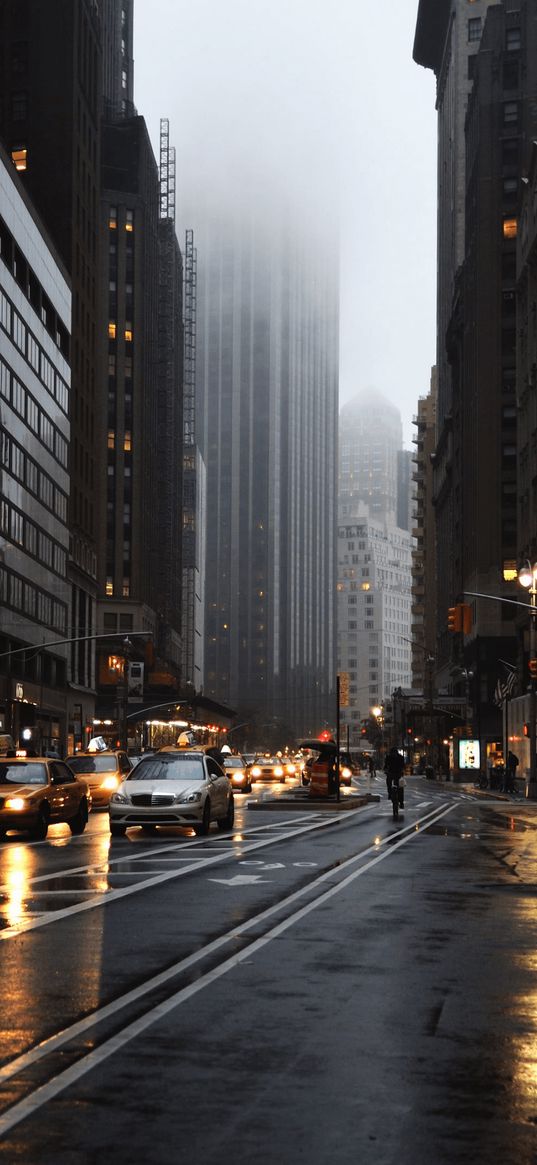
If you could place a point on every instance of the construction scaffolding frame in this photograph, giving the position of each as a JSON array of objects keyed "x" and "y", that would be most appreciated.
[{"x": 190, "y": 564}]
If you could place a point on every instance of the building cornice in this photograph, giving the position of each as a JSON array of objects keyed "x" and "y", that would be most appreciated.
[{"x": 430, "y": 36}]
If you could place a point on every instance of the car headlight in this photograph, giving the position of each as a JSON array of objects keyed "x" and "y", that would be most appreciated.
[
  {"x": 119, "y": 799},
  {"x": 238, "y": 776},
  {"x": 188, "y": 798},
  {"x": 278, "y": 771},
  {"x": 16, "y": 803},
  {"x": 346, "y": 772},
  {"x": 110, "y": 782},
  {"x": 291, "y": 770},
  {"x": 256, "y": 771}
]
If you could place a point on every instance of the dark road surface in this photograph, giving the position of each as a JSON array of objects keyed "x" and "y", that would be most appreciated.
[{"x": 314, "y": 987}]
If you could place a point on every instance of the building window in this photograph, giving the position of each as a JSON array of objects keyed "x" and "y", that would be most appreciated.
[
  {"x": 128, "y": 334},
  {"x": 19, "y": 158},
  {"x": 512, "y": 40},
  {"x": 127, "y": 443},
  {"x": 510, "y": 112},
  {"x": 19, "y": 106},
  {"x": 111, "y": 439},
  {"x": 112, "y": 330},
  {"x": 109, "y": 586},
  {"x": 129, "y": 220},
  {"x": 112, "y": 218},
  {"x": 474, "y": 28}
]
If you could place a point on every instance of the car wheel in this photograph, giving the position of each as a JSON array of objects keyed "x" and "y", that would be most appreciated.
[
  {"x": 117, "y": 830},
  {"x": 78, "y": 823},
  {"x": 227, "y": 821},
  {"x": 39, "y": 832},
  {"x": 202, "y": 828}
]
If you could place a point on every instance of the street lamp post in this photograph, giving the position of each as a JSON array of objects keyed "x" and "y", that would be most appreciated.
[{"x": 527, "y": 577}]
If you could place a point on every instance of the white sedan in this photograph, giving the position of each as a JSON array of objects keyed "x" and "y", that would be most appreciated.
[{"x": 173, "y": 787}]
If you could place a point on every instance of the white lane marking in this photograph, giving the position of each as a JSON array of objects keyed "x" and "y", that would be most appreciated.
[
  {"x": 132, "y": 856},
  {"x": 63, "y": 1080},
  {"x": 148, "y": 883},
  {"x": 240, "y": 880}
]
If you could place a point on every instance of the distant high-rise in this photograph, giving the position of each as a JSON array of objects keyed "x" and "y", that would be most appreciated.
[
  {"x": 374, "y": 556},
  {"x": 370, "y": 440},
  {"x": 267, "y": 375}
]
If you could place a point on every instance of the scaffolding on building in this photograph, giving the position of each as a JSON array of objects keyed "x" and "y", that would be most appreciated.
[
  {"x": 190, "y": 564},
  {"x": 168, "y": 561}
]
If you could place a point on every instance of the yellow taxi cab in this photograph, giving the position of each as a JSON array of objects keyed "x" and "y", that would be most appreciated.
[
  {"x": 38, "y": 791},
  {"x": 103, "y": 769}
]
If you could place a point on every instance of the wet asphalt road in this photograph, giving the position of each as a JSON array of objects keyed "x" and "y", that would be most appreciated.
[{"x": 316, "y": 987}]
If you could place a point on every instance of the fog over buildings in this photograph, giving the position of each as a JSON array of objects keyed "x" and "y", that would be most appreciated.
[{"x": 286, "y": 97}]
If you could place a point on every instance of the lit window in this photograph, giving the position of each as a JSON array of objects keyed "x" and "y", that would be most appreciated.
[
  {"x": 109, "y": 586},
  {"x": 127, "y": 444},
  {"x": 19, "y": 158},
  {"x": 128, "y": 335},
  {"x": 510, "y": 226},
  {"x": 111, "y": 439},
  {"x": 129, "y": 220},
  {"x": 112, "y": 218},
  {"x": 112, "y": 330},
  {"x": 126, "y": 588}
]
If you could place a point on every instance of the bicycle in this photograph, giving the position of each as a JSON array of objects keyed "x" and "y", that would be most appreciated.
[{"x": 397, "y": 798}]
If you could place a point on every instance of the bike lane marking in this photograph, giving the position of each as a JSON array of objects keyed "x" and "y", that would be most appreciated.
[{"x": 108, "y": 896}]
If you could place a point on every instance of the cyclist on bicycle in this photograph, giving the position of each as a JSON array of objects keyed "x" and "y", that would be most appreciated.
[{"x": 394, "y": 766}]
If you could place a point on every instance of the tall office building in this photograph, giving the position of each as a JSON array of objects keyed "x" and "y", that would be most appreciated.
[
  {"x": 35, "y": 323},
  {"x": 483, "y": 57},
  {"x": 374, "y": 557},
  {"x": 50, "y": 105},
  {"x": 267, "y": 376}
]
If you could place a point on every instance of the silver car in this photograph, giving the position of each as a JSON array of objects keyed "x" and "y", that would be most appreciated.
[{"x": 173, "y": 787}]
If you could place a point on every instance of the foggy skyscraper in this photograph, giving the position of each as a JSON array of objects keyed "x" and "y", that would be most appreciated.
[{"x": 267, "y": 399}]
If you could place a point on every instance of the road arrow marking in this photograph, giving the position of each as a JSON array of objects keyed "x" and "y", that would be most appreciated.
[{"x": 239, "y": 880}]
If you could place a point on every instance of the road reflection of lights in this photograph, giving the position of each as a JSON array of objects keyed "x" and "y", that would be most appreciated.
[
  {"x": 524, "y": 1045},
  {"x": 377, "y": 841},
  {"x": 16, "y": 884}
]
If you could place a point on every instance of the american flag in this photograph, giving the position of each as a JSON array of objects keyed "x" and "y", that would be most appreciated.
[{"x": 506, "y": 688}]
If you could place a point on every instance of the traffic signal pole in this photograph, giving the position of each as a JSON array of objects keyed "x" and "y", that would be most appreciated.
[{"x": 338, "y": 733}]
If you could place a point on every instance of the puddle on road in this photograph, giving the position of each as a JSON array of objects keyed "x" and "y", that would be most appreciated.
[{"x": 492, "y": 824}]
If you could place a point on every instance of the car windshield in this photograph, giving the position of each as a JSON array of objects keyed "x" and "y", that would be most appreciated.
[
  {"x": 168, "y": 767},
  {"x": 92, "y": 764},
  {"x": 32, "y": 773},
  {"x": 233, "y": 762}
]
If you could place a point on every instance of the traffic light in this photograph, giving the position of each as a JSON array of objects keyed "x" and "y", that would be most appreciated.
[
  {"x": 454, "y": 618},
  {"x": 533, "y": 668},
  {"x": 460, "y": 618}
]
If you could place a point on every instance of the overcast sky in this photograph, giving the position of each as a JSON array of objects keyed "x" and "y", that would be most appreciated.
[{"x": 321, "y": 96}]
